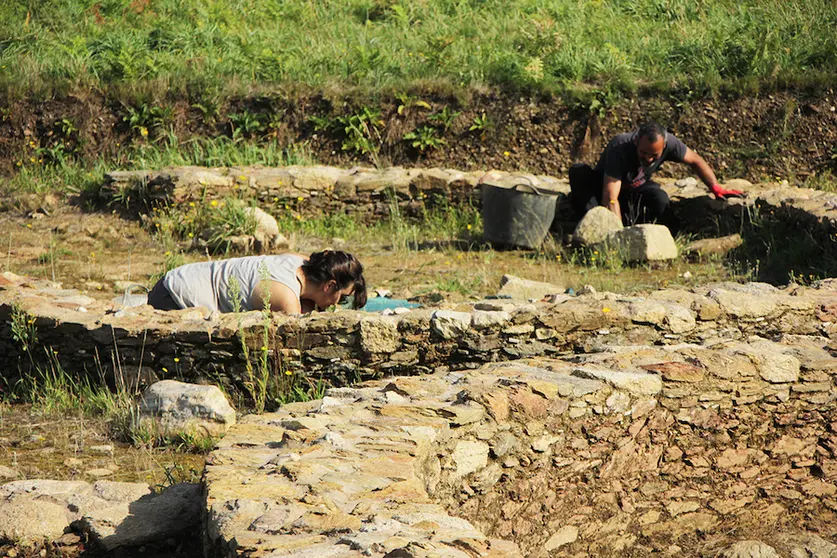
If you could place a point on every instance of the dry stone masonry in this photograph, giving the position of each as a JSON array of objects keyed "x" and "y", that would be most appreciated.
[
  {"x": 91, "y": 335},
  {"x": 633, "y": 448},
  {"x": 369, "y": 193},
  {"x": 592, "y": 425}
]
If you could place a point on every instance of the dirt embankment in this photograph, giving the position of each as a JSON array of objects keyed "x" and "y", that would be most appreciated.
[{"x": 785, "y": 134}]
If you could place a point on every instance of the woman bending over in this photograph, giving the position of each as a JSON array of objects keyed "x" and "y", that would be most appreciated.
[{"x": 290, "y": 283}]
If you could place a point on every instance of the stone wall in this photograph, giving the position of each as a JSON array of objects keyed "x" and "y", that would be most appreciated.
[
  {"x": 634, "y": 450},
  {"x": 367, "y": 193},
  {"x": 361, "y": 192},
  {"x": 344, "y": 347}
]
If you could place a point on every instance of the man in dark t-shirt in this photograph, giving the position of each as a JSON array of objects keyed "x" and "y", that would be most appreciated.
[{"x": 622, "y": 181}]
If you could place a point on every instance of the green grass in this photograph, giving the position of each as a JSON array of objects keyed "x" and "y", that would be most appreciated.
[
  {"x": 441, "y": 221},
  {"x": 67, "y": 172},
  {"x": 209, "y": 49}
]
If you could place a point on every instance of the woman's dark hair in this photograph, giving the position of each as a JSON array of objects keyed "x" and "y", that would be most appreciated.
[{"x": 341, "y": 267}]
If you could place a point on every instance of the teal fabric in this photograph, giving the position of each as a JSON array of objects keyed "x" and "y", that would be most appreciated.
[{"x": 381, "y": 303}]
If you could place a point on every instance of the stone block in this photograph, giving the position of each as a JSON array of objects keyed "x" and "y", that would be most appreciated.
[
  {"x": 450, "y": 325},
  {"x": 379, "y": 335},
  {"x": 596, "y": 226},
  {"x": 525, "y": 289},
  {"x": 175, "y": 407},
  {"x": 632, "y": 382},
  {"x": 641, "y": 243}
]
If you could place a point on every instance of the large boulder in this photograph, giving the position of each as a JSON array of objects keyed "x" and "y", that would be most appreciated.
[
  {"x": 641, "y": 243},
  {"x": 596, "y": 226},
  {"x": 150, "y": 518},
  {"x": 172, "y": 408},
  {"x": 524, "y": 289},
  {"x": 36, "y": 510}
]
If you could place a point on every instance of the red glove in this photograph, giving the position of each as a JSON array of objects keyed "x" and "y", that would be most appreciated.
[{"x": 722, "y": 193}]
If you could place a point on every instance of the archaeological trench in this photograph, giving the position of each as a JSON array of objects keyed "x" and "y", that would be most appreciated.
[{"x": 684, "y": 422}]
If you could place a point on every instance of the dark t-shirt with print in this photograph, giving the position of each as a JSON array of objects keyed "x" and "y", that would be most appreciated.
[{"x": 620, "y": 159}]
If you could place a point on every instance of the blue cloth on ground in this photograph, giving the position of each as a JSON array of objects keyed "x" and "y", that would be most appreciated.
[{"x": 381, "y": 303}]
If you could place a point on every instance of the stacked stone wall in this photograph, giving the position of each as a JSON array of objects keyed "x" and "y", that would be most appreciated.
[{"x": 345, "y": 347}]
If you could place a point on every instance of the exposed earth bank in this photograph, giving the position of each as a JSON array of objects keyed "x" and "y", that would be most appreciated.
[{"x": 787, "y": 134}]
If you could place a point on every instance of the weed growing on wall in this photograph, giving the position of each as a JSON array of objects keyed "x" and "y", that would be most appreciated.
[
  {"x": 249, "y": 382},
  {"x": 24, "y": 332}
]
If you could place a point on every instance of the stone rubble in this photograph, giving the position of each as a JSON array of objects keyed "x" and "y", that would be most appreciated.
[{"x": 601, "y": 424}]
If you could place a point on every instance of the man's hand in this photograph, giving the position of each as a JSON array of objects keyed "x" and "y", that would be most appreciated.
[{"x": 722, "y": 193}]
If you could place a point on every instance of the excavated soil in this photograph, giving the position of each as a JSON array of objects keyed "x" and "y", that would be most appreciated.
[{"x": 787, "y": 134}]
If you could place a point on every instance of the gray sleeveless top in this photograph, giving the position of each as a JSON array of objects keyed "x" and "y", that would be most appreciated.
[{"x": 208, "y": 283}]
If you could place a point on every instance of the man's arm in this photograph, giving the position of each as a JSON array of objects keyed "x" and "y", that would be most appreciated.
[
  {"x": 610, "y": 195},
  {"x": 704, "y": 171},
  {"x": 700, "y": 167}
]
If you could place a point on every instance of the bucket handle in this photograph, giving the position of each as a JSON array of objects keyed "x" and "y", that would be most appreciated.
[{"x": 531, "y": 186}]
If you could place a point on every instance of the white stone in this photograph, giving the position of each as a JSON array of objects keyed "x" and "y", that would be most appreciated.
[
  {"x": 565, "y": 535},
  {"x": 641, "y": 243},
  {"x": 618, "y": 402},
  {"x": 647, "y": 312},
  {"x": 469, "y": 456},
  {"x": 525, "y": 289},
  {"x": 632, "y": 382},
  {"x": 481, "y": 319},
  {"x": 596, "y": 226},
  {"x": 450, "y": 325},
  {"x": 772, "y": 363},
  {"x": 679, "y": 319},
  {"x": 265, "y": 222},
  {"x": 744, "y": 305},
  {"x": 176, "y": 407}
]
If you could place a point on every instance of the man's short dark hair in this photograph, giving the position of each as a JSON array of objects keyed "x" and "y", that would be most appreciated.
[{"x": 651, "y": 130}]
